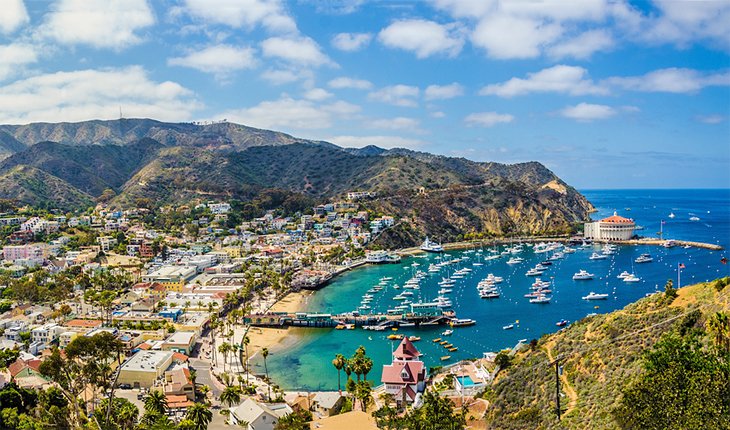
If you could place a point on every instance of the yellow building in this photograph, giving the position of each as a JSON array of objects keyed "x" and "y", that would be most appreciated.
[{"x": 144, "y": 368}]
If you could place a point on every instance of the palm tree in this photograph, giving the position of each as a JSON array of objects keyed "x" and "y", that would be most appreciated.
[
  {"x": 367, "y": 366},
  {"x": 231, "y": 395},
  {"x": 155, "y": 403},
  {"x": 193, "y": 378},
  {"x": 719, "y": 326},
  {"x": 224, "y": 349},
  {"x": 245, "y": 341},
  {"x": 339, "y": 362},
  {"x": 200, "y": 415},
  {"x": 265, "y": 353}
]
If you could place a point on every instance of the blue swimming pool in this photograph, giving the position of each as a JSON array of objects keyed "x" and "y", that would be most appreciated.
[{"x": 466, "y": 381}]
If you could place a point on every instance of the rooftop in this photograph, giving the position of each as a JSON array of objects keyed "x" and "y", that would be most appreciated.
[
  {"x": 616, "y": 219},
  {"x": 148, "y": 361}
]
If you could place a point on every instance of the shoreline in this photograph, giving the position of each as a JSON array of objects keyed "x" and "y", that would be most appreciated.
[{"x": 276, "y": 339}]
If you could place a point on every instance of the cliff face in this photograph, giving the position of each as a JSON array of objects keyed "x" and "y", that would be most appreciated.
[{"x": 127, "y": 160}]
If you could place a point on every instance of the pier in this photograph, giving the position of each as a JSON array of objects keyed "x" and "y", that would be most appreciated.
[{"x": 370, "y": 321}]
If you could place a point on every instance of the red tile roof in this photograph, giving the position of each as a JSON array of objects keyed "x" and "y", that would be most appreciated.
[
  {"x": 83, "y": 323},
  {"x": 394, "y": 373},
  {"x": 406, "y": 350},
  {"x": 616, "y": 219}
]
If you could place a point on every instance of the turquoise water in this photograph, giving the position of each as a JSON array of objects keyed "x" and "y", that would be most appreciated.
[{"x": 307, "y": 365}]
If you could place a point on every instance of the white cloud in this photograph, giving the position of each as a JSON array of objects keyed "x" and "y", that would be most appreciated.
[
  {"x": 398, "y": 95},
  {"x": 387, "y": 142},
  {"x": 282, "y": 76},
  {"x": 287, "y": 113},
  {"x": 351, "y": 42},
  {"x": 711, "y": 119},
  {"x": 13, "y": 16},
  {"x": 672, "y": 80},
  {"x": 441, "y": 92},
  {"x": 564, "y": 79},
  {"x": 270, "y": 14},
  {"x": 302, "y": 51},
  {"x": 508, "y": 37},
  {"x": 317, "y": 94},
  {"x": 588, "y": 112},
  {"x": 88, "y": 94},
  {"x": 437, "y": 114},
  {"x": 397, "y": 123},
  {"x": 583, "y": 45},
  {"x": 488, "y": 119},
  {"x": 685, "y": 22},
  {"x": 343, "y": 82},
  {"x": 564, "y": 10},
  {"x": 219, "y": 60},
  {"x": 424, "y": 38},
  {"x": 98, "y": 23},
  {"x": 465, "y": 8},
  {"x": 15, "y": 57}
]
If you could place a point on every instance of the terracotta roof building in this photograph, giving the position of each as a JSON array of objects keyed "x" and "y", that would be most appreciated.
[
  {"x": 406, "y": 375},
  {"x": 614, "y": 227}
]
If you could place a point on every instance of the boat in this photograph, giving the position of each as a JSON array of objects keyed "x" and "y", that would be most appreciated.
[
  {"x": 694, "y": 218},
  {"x": 508, "y": 327},
  {"x": 340, "y": 327},
  {"x": 437, "y": 340},
  {"x": 597, "y": 256},
  {"x": 461, "y": 322},
  {"x": 454, "y": 349},
  {"x": 444, "y": 342},
  {"x": 582, "y": 275},
  {"x": 595, "y": 296},
  {"x": 623, "y": 275},
  {"x": 445, "y": 357},
  {"x": 561, "y": 323},
  {"x": 430, "y": 246},
  {"x": 534, "y": 272},
  {"x": 515, "y": 260},
  {"x": 632, "y": 278},
  {"x": 414, "y": 338},
  {"x": 644, "y": 258},
  {"x": 489, "y": 295},
  {"x": 385, "y": 279},
  {"x": 541, "y": 300},
  {"x": 671, "y": 215},
  {"x": 546, "y": 263}
]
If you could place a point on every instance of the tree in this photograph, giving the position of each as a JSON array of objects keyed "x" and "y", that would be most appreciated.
[
  {"x": 200, "y": 415},
  {"x": 363, "y": 393},
  {"x": 265, "y": 354},
  {"x": 231, "y": 395},
  {"x": 339, "y": 362},
  {"x": 124, "y": 414},
  {"x": 155, "y": 402},
  {"x": 436, "y": 413},
  {"x": 718, "y": 326},
  {"x": 297, "y": 420},
  {"x": 503, "y": 360}
]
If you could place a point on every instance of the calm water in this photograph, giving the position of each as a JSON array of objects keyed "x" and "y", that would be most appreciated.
[{"x": 307, "y": 365}]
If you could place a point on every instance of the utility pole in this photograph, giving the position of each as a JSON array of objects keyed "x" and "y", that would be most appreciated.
[{"x": 557, "y": 385}]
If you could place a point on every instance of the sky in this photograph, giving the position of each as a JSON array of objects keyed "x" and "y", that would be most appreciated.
[{"x": 607, "y": 94}]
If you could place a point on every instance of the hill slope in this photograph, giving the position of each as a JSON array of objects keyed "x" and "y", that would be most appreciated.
[{"x": 602, "y": 355}]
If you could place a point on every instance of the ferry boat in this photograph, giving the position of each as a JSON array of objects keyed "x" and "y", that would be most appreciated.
[
  {"x": 644, "y": 258},
  {"x": 430, "y": 246},
  {"x": 597, "y": 256},
  {"x": 582, "y": 275},
  {"x": 461, "y": 322},
  {"x": 595, "y": 296}
]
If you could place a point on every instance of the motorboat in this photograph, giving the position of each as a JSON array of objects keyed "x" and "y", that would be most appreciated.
[
  {"x": 595, "y": 296},
  {"x": 632, "y": 278},
  {"x": 671, "y": 215},
  {"x": 508, "y": 327},
  {"x": 489, "y": 295},
  {"x": 582, "y": 275},
  {"x": 644, "y": 258},
  {"x": 515, "y": 260},
  {"x": 561, "y": 323},
  {"x": 447, "y": 333},
  {"x": 597, "y": 256},
  {"x": 694, "y": 218},
  {"x": 534, "y": 272},
  {"x": 541, "y": 300},
  {"x": 623, "y": 274},
  {"x": 461, "y": 322}
]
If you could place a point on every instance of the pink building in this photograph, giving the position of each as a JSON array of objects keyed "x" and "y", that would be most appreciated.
[
  {"x": 32, "y": 251},
  {"x": 406, "y": 376}
]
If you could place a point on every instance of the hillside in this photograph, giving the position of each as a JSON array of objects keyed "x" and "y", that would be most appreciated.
[
  {"x": 602, "y": 355},
  {"x": 176, "y": 164}
]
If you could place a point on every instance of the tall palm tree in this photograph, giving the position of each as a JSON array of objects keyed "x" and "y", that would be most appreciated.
[
  {"x": 265, "y": 353},
  {"x": 193, "y": 379},
  {"x": 155, "y": 403},
  {"x": 367, "y": 366},
  {"x": 339, "y": 362},
  {"x": 224, "y": 349},
  {"x": 245, "y": 341},
  {"x": 231, "y": 395},
  {"x": 200, "y": 415},
  {"x": 719, "y": 327}
]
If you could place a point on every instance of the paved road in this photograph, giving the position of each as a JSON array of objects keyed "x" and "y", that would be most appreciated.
[{"x": 204, "y": 377}]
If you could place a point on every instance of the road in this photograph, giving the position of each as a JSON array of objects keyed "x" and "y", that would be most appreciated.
[{"x": 202, "y": 367}]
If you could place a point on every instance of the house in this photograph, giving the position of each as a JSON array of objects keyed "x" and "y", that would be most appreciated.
[
  {"x": 406, "y": 375},
  {"x": 46, "y": 333},
  {"x": 179, "y": 383},
  {"x": 144, "y": 368},
  {"x": 259, "y": 416},
  {"x": 180, "y": 341}
]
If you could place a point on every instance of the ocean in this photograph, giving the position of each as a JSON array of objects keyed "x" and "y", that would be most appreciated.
[{"x": 306, "y": 365}]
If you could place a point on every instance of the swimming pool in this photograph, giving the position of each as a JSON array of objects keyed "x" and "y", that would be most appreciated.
[{"x": 466, "y": 381}]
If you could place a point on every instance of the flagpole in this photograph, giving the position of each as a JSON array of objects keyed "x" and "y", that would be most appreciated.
[{"x": 679, "y": 275}]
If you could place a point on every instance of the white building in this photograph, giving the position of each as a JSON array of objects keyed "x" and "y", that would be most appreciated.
[
  {"x": 614, "y": 227},
  {"x": 46, "y": 333},
  {"x": 258, "y": 416},
  {"x": 106, "y": 243}
]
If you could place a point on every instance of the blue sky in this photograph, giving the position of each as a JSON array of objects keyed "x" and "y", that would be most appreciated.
[{"x": 608, "y": 94}]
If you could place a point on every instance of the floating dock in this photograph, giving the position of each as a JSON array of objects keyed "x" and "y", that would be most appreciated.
[{"x": 370, "y": 321}]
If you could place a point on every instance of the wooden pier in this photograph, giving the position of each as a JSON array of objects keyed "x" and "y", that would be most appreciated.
[{"x": 373, "y": 321}]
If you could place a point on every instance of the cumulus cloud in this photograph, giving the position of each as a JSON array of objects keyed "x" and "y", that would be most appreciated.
[
  {"x": 442, "y": 92},
  {"x": 398, "y": 95},
  {"x": 15, "y": 57},
  {"x": 424, "y": 38},
  {"x": 588, "y": 112},
  {"x": 269, "y": 14},
  {"x": 505, "y": 36},
  {"x": 351, "y": 42},
  {"x": 584, "y": 45},
  {"x": 288, "y": 113},
  {"x": 672, "y": 80},
  {"x": 300, "y": 50},
  {"x": 98, "y": 23},
  {"x": 283, "y": 76},
  {"x": 686, "y": 22},
  {"x": 397, "y": 123},
  {"x": 13, "y": 16},
  {"x": 317, "y": 94},
  {"x": 344, "y": 82},
  {"x": 220, "y": 60},
  {"x": 572, "y": 80},
  {"x": 488, "y": 119},
  {"x": 86, "y": 94},
  {"x": 387, "y": 142}
]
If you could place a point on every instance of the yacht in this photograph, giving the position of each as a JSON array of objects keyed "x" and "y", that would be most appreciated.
[
  {"x": 534, "y": 272},
  {"x": 597, "y": 256},
  {"x": 541, "y": 300},
  {"x": 632, "y": 278},
  {"x": 595, "y": 296},
  {"x": 447, "y": 332},
  {"x": 623, "y": 275},
  {"x": 489, "y": 294},
  {"x": 462, "y": 322},
  {"x": 445, "y": 291},
  {"x": 694, "y": 218},
  {"x": 582, "y": 275},
  {"x": 644, "y": 258},
  {"x": 430, "y": 246},
  {"x": 515, "y": 260},
  {"x": 386, "y": 279},
  {"x": 561, "y": 323},
  {"x": 496, "y": 279}
]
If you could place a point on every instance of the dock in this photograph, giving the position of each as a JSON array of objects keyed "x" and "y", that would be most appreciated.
[{"x": 370, "y": 321}]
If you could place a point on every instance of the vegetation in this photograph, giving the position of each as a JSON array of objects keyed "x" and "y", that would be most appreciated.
[{"x": 436, "y": 413}]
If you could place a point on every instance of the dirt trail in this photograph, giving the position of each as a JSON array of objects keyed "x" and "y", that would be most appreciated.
[{"x": 565, "y": 384}]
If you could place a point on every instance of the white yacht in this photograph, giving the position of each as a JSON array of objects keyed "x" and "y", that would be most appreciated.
[
  {"x": 430, "y": 246},
  {"x": 515, "y": 260},
  {"x": 582, "y": 275},
  {"x": 534, "y": 272},
  {"x": 623, "y": 274},
  {"x": 632, "y": 278},
  {"x": 595, "y": 296},
  {"x": 644, "y": 258},
  {"x": 694, "y": 218},
  {"x": 671, "y": 215},
  {"x": 541, "y": 300},
  {"x": 597, "y": 256}
]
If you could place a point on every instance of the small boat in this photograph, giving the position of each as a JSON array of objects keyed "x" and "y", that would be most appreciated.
[
  {"x": 671, "y": 215},
  {"x": 462, "y": 322},
  {"x": 582, "y": 275},
  {"x": 386, "y": 278},
  {"x": 508, "y": 327},
  {"x": 445, "y": 357},
  {"x": 595, "y": 296},
  {"x": 437, "y": 340},
  {"x": 448, "y": 345},
  {"x": 447, "y": 332},
  {"x": 340, "y": 327},
  {"x": 541, "y": 300},
  {"x": 454, "y": 349},
  {"x": 561, "y": 323},
  {"x": 395, "y": 336},
  {"x": 414, "y": 338},
  {"x": 644, "y": 258},
  {"x": 444, "y": 342},
  {"x": 694, "y": 218},
  {"x": 534, "y": 272},
  {"x": 597, "y": 256}
]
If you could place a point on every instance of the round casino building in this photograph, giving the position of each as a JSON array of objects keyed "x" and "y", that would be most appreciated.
[{"x": 614, "y": 227}]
